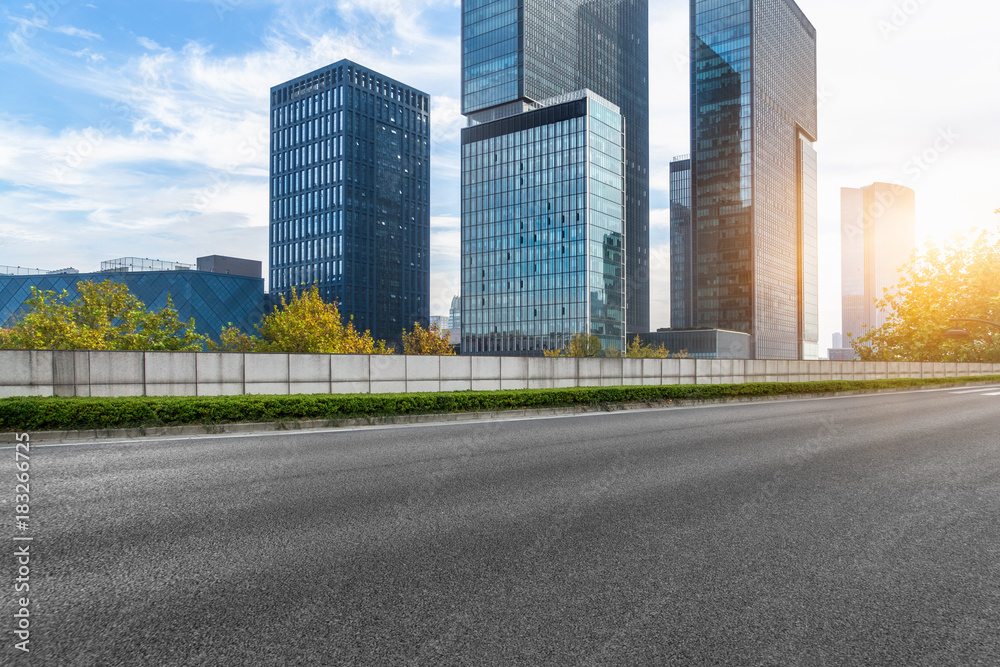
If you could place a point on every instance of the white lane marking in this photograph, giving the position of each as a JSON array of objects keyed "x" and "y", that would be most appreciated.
[
  {"x": 469, "y": 422},
  {"x": 993, "y": 394},
  {"x": 973, "y": 391}
]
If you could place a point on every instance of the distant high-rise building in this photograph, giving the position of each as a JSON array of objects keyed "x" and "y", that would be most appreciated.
[
  {"x": 838, "y": 340},
  {"x": 680, "y": 243},
  {"x": 878, "y": 236},
  {"x": 350, "y": 195},
  {"x": 751, "y": 262},
  {"x": 517, "y": 53},
  {"x": 455, "y": 314},
  {"x": 542, "y": 228}
]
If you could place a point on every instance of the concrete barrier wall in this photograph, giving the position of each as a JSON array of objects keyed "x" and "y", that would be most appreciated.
[{"x": 70, "y": 373}]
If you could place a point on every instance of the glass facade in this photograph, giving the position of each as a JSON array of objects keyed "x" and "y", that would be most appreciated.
[
  {"x": 878, "y": 236},
  {"x": 808, "y": 251},
  {"x": 350, "y": 195},
  {"x": 492, "y": 53},
  {"x": 752, "y": 254},
  {"x": 543, "y": 229},
  {"x": 852, "y": 262},
  {"x": 680, "y": 242},
  {"x": 214, "y": 300},
  {"x": 701, "y": 343},
  {"x": 517, "y": 53}
]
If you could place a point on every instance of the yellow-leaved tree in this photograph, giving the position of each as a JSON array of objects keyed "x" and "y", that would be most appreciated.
[
  {"x": 580, "y": 345},
  {"x": 102, "y": 316},
  {"x": 430, "y": 341},
  {"x": 636, "y": 350},
  {"x": 960, "y": 279},
  {"x": 304, "y": 324}
]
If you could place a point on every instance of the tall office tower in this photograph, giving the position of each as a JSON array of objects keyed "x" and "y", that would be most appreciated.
[
  {"x": 751, "y": 262},
  {"x": 542, "y": 228},
  {"x": 350, "y": 195},
  {"x": 878, "y": 236},
  {"x": 680, "y": 242},
  {"x": 516, "y": 53}
]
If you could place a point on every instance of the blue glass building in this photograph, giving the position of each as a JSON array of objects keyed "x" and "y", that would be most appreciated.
[
  {"x": 517, "y": 53},
  {"x": 214, "y": 300},
  {"x": 350, "y": 195},
  {"x": 680, "y": 242},
  {"x": 751, "y": 262},
  {"x": 543, "y": 228}
]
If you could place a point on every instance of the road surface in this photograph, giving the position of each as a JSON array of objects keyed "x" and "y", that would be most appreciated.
[{"x": 845, "y": 531}]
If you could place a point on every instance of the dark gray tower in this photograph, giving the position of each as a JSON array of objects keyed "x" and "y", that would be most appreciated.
[
  {"x": 751, "y": 260},
  {"x": 350, "y": 195},
  {"x": 517, "y": 53}
]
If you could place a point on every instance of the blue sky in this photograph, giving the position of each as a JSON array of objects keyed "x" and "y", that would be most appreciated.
[{"x": 140, "y": 128}]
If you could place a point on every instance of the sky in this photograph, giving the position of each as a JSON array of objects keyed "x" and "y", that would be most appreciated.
[{"x": 141, "y": 128}]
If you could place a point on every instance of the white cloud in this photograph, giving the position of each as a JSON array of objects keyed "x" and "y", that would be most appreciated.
[
  {"x": 177, "y": 166},
  {"x": 76, "y": 32},
  {"x": 175, "y": 161}
]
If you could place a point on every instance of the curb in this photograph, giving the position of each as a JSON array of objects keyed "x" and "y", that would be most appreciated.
[{"x": 152, "y": 432}]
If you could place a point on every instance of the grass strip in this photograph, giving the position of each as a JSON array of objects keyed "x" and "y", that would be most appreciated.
[{"x": 53, "y": 414}]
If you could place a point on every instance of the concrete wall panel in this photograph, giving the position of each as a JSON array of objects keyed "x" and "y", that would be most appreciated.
[
  {"x": 309, "y": 368},
  {"x": 266, "y": 369},
  {"x": 541, "y": 373},
  {"x": 219, "y": 367},
  {"x": 423, "y": 373},
  {"x": 611, "y": 372},
  {"x": 513, "y": 373},
  {"x": 564, "y": 372},
  {"x": 485, "y": 373},
  {"x": 171, "y": 368},
  {"x": 100, "y": 373}
]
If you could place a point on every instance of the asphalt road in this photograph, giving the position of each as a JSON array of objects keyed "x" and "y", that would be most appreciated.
[{"x": 847, "y": 531}]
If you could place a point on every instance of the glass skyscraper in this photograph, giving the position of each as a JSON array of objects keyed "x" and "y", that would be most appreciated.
[
  {"x": 680, "y": 242},
  {"x": 543, "y": 228},
  {"x": 350, "y": 195},
  {"x": 517, "y": 53},
  {"x": 751, "y": 263},
  {"x": 878, "y": 236}
]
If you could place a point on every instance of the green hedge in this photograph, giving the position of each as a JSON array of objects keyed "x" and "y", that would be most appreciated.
[{"x": 48, "y": 414}]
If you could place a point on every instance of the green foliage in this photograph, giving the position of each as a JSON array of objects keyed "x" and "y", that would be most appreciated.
[
  {"x": 44, "y": 414},
  {"x": 103, "y": 316},
  {"x": 307, "y": 324},
  {"x": 431, "y": 341},
  {"x": 636, "y": 350},
  {"x": 959, "y": 279},
  {"x": 231, "y": 339},
  {"x": 580, "y": 345}
]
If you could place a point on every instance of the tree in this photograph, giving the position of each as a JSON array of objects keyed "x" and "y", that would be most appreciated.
[
  {"x": 307, "y": 324},
  {"x": 103, "y": 316},
  {"x": 636, "y": 350},
  {"x": 431, "y": 341},
  {"x": 231, "y": 339},
  {"x": 580, "y": 345},
  {"x": 960, "y": 279}
]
